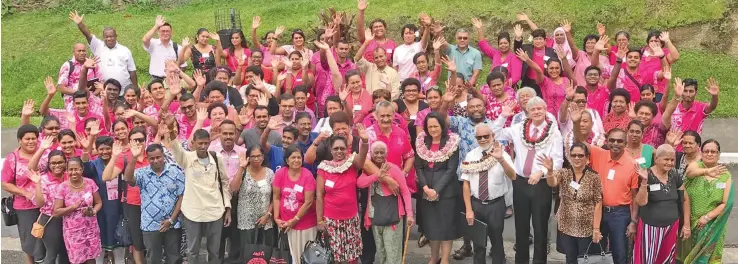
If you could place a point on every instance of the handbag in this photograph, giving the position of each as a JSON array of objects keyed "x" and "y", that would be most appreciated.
[
  {"x": 602, "y": 258},
  {"x": 258, "y": 252},
  {"x": 281, "y": 253},
  {"x": 317, "y": 251},
  {"x": 122, "y": 233},
  {"x": 37, "y": 230},
  {"x": 385, "y": 208},
  {"x": 10, "y": 218}
]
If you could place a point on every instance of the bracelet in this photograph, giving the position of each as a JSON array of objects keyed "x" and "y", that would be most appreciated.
[
  {"x": 634, "y": 221},
  {"x": 619, "y": 60},
  {"x": 662, "y": 57}
]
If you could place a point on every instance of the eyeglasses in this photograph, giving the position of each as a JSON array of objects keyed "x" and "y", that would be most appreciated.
[
  {"x": 56, "y": 163},
  {"x": 577, "y": 156},
  {"x": 186, "y": 107},
  {"x": 411, "y": 90},
  {"x": 483, "y": 137},
  {"x": 256, "y": 156},
  {"x": 711, "y": 152},
  {"x": 616, "y": 140},
  {"x": 338, "y": 149},
  {"x": 580, "y": 101},
  {"x": 462, "y": 38}
]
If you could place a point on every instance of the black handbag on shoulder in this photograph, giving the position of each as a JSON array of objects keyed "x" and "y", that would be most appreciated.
[
  {"x": 385, "y": 208},
  {"x": 10, "y": 218}
]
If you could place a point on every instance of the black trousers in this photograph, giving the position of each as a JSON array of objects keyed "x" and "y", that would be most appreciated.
[
  {"x": 231, "y": 233},
  {"x": 531, "y": 201},
  {"x": 369, "y": 249},
  {"x": 492, "y": 214}
]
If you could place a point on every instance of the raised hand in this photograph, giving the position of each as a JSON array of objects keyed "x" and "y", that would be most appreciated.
[
  {"x": 477, "y": 23},
  {"x": 566, "y": 25},
  {"x": 642, "y": 172},
  {"x": 602, "y": 43},
  {"x": 263, "y": 100},
  {"x": 117, "y": 148},
  {"x": 601, "y": 29},
  {"x": 90, "y": 63},
  {"x": 546, "y": 161},
  {"x": 497, "y": 150},
  {"x": 83, "y": 140},
  {"x": 243, "y": 161},
  {"x": 202, "y": 114},
  {"x": 275, "y": 123},
  {"x": 278, "y": 31},
  {"x": 185, "y": 41},
  {"x": 34, "y": 176},
  {"x": 368, "y": 34},
  {"x": 575, "y": 112},
  {"x": 337, "y": 20},
  {"x": 136, "y": 148},
  {"x": 665, "y": 37},
  {"x": 129, "y": 113},
  {"x": 667, "y": 72},
  {"x": 622, "y": 51},
  {"x": 560, "y": 52},
  {"x": 713, "y": 87},
  {"x": 322, "y": 136},
  {"x": 451, "y": 93},
  {"x": 305, "y": 61},
  {"x": 361, "y": 130},
  {"x": 678, "y": 87},
  {"x": 50, "y": 86},
  {"x": 27, "y": 108},
  {"x": 438, "y": 42},
  {"x": 673, "y": 136},
  {"x": 159, "y": 21},
  {"x": 437, "y": 28},
  {"x": 287, "y": 63},
  {"x": 450, "y": 64},
  {"x": 199, "y": 77},
  {"x": 46, "y": 142},
  {"x": 716, "y": 171},
  {"x": 94, "y": 128},
  {"x": 656, "y": 50},
  {"x": 522, "y": 17},
  {"x": 255, "y": 22},
  {"x": 570, "y": 91},
  {"x": 522, "y": 55},
  {"x": 321, "y": 45},
  {"x": 214, "y": 36},
  {"x": 518, "y": 29},
  {"x": 330, "y": 30},
  {"x": 508, "y": 109},
  {"x": 282, "y": 76},
  {"x": 274, "y": 62},
  {"x": 425, "y": 19},
  {"x": 362, "y": 5},
  {"x": 74, "y": 16},
  {"x": 343, "y": 93}
]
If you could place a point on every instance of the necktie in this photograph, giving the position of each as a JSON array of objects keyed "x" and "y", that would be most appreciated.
[
  {"x": 531, "y": 155},
  {"x": 483, "y": 186}
]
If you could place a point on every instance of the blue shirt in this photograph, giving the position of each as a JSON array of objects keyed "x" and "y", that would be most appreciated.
[
  {"x": 159, "y": 194},
  {"x": 467, "y": 61},
  {"x": 464, "y": 127},
  {"x": 304, "y": 147},
  {"x": 276, "y": 156}
]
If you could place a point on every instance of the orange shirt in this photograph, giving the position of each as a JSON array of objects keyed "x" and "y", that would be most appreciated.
[{"x": 617, "y": 186}]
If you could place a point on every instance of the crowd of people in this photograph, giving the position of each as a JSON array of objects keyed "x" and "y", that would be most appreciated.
[{"x": 268, "y": 140}]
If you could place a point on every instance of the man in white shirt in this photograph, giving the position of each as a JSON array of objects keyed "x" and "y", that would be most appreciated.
[
  {"x": 116, "y": 60},
  {"x": 161, "y": 49},
  {"x": 483, "y": 171},
  {"x": 535, "y": 136}
]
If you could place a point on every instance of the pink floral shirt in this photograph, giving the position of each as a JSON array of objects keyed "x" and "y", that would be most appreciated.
[
  {"x": 690, "y": 119},
  {"x": 554, "y": 94},
  {"x": 72, "y": 80},
  {"x": 49, "y": 188},
  {"x": 15, "y": 171},
  {"x": 655, "y": 134},
  {"x": 599, "y": 100}
]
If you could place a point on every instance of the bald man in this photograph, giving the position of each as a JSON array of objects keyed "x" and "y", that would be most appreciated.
[{"x": 69, "y": 74}]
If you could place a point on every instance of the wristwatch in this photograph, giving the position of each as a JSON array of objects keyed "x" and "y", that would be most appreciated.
[{"x": 171, "y": 221}]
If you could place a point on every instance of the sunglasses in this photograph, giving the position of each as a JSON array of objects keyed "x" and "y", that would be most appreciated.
[
  {"x": 462, "y": 38},
  {"x": 616, "y": 140},
  {"x": 339, "y": 149},
  {"x": 580, "y": 101},
  {"x": 576, "y": 156},
  {"x": 483, "y": 137}
]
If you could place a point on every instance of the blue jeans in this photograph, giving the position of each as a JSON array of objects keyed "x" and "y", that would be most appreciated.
[{"x": 615, "y": 221}]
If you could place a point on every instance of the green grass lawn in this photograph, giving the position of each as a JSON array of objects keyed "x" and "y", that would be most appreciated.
[{"x": 35, "y": 44}]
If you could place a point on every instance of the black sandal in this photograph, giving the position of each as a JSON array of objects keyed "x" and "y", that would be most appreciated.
[
  {"x": 422, "y": 241},
  {"x": 462, "y": 253}
]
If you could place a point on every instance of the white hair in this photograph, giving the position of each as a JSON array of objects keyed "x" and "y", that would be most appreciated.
[
  {"x": 533, "y": 102},
  {"x": 525, "y": 90},
  {"x": 664, "y": 149},
  {"x": 382, "y": 104},
  {"x": 482, "y": 126},
  {"x": 377, "y": 144}
]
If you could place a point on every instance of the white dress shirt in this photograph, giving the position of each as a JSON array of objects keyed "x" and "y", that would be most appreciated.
[
  {"x": 158, "y": 54},
  {"x": 496, "y": 179},
  {"x": 553, "y": 148},
  {"x": 115, "y": 63}
]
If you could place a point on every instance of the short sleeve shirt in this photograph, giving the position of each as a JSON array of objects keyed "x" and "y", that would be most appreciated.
[
  {"x": 292, "y": 197},
  {"x": 159, "y": 195}
]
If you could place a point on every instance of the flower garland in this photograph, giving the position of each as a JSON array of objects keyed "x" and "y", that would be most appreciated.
[
  {"x": 595, "y": 138},
  {"x": 436, "y": 156},
  {"x": 337, "y": 166},
  {"x": 483, "y": 164},
  {"x": 540, "y": 141}
]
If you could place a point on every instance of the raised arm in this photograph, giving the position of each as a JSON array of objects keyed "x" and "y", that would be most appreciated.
[
  {"x": 128, "y": 175},
  {"x": 74, "y": 16},
  {"x": 274, "y": 48},
  {"x": 360, "y": 24},
  {"x": 363, "y": 146},
  {"x": 27, "y": 111},
  {"x": 312, "y": 151},
  {"x": 425, "y": 22},
  {"x": 565, "y": 65},
  {"x": 612, "y": 82},
  {"x": 185, "y": 51},
  {"x": 524, "y": 18},
  {"x": 673, "y": 52},
  {"x": 255, "y": 23},
  {"x": 50, "y": 92},
  {"x": 600, "y": 47},
  {"x": 641, "y": 198},
  {"x": 45, "y": 144},
  {"x": 158, "y": 22},
  {"x": 713, "y": 88},
  {"x": 569, "y": 38},
  {"x": 671, "y": 107},
  {"x": 110, "y": 171},
  {"x": 525, "y": 59},
  {"x": 360, "y": 53}
]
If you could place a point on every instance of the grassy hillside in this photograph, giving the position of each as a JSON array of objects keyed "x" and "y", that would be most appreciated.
[{"x": 35, "y": 44}]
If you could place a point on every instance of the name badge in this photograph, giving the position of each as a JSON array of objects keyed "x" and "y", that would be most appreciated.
[
  {"x": 112, "y": 189},
  {"x": 504, "y": 65},
  {"x": 298, "y": 188},
  {"x": 413, "y": 117},
  {"x": 262, "y": 183},
  {"x": 298, "y": 80},
  {"x": 234, "y": 157},
  {"x": 87, "y": 198},
  {"x": 206, "y": 55},
  {"x": 462, "y": 104},
  {"x": 721, "y": 185},
  {"x": 546, "y": 57},
  {"x": 389, "y": 50},
  {"x": 357, "y": 107},
  {"x": 641, "y": 160},
  {"x": 427, "y": 80},
  {"x": 329, "y": 183},
  {"x": 611, "y": 175},
  {"x": 574, "y": 185},
  {"x": 111, "y": 62},
  {"x": 654, "y": 187},
  {"x": 243, "y": 56}
]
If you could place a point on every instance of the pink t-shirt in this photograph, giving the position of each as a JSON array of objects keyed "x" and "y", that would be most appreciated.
[
  {"x": 583, "y": 61},
  {"x": 511, "y": 62},
  {"x": 80, "y": 126},
  {"x": 389, "y": 46},
  {"x": 398, "y": 149},
  {"x": 554, "y": 94},
  {"x": 650, "y": 66},
  {"x": 19, "y": 176},
  {"x": 49, "y": 188},
  {"x": 429, "y": 79},
  {"x": 634, "y": 89},
  {"x": 361, "y": 106},
  {"x": 690, "y": 119},
  {"x": 599, "y": 99},
  {"x": 538, "y": 58},
  {"x": 339, "y": 201},
  {"x": 293, "y": 197}
]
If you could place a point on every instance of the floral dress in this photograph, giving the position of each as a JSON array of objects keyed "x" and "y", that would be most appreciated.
[
  {"x": 81, "y": 233},
  {"x": 254, "y": 198}
]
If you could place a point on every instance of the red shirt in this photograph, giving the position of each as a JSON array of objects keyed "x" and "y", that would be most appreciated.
[
  {"x": 510, "y": 62},
  {"x": 650, "y": 66},
  {"x": 133, "y": 195},
  {"x": 232, "y": 61}
]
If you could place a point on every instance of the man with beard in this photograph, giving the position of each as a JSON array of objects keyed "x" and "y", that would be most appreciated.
[
  {"x": 484, "y": 171},
  {"x": 617, "y": 170},
  {"x": 250, "y": 137},
  {"x": 116, "y": 60},
  {"x": 162, "y": 185},
  {"x": 206, "y": 203},
  {"x": 226, "y": 146},
  {"x": 320, "y": 150},
  {"x": 535, "y": 136}
]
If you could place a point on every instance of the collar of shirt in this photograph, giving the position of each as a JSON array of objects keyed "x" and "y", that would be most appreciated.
[
  {"x": 539, "y": 127},
  {"x": 625, "y": 156}
]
